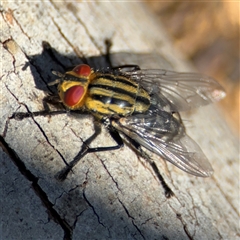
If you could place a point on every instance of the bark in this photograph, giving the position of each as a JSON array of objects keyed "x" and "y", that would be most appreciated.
[{"x": 109, "y": 195}]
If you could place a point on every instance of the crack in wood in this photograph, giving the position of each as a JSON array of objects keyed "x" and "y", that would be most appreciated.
[
  {"x": 38, "y": 125},
  {"x": 105, "y": 167},
  {"x": 92, "y": 207},
  {"x": 53, "y": 214},
  {"x": 128, "y": 214}
]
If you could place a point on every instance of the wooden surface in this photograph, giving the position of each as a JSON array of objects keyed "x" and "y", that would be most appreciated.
[{"x": 110, "y": 195}]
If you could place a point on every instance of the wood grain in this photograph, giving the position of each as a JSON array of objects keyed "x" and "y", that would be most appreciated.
[{"x": 109, "y": 195}]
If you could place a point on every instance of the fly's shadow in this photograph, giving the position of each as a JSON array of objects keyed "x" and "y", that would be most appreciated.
[{"x": 50, "y": 59}]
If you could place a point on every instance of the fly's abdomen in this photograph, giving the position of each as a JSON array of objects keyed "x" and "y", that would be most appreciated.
[{"x": 116, "y": 95}]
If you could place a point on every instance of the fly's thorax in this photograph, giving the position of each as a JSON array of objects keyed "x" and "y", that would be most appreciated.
[{"x": 116, "y": 95}]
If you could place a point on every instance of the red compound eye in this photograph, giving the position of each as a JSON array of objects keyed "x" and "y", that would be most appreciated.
[
  {"x": 82, "y": 70},
  {"x": 73, "y": 95}
]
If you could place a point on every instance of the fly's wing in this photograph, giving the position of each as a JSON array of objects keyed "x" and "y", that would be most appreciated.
[
  {"x": 177, "y": 148},
  {"x": 183, "y": 91}
]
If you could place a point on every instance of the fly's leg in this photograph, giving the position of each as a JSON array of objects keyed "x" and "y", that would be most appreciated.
[
  {"x": 53, "y": 100},
  {"x": 167, "y": 190},
  {"x": 133, "y": 67},
  {"x": 108, "y": 44},
  {"x": 61, "y": 176},
  {"x": 50, "y": 99},
  {"x": 21, "y": 115}
]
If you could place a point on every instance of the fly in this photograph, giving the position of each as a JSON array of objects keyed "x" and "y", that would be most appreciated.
[{"x": 141, "y": 105}]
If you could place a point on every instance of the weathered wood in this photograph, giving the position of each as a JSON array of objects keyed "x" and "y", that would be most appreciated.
[{"x": 110, "y": 195}]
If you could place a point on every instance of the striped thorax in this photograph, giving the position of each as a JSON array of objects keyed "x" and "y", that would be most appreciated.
[{"x": 103, "y": 94}]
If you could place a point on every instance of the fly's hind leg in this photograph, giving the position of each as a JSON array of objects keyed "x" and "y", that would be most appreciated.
[
  {"x": 62, "y": 175},
  {"x": 167, "y": 190}
]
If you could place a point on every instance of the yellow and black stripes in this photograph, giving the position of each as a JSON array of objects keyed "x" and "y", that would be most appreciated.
[
  {"x": 103, "y": 94},
  {"x": 116, "y": 95}
]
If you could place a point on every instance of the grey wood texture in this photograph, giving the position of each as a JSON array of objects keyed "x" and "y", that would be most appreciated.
[{"x": 109, "y": 195}]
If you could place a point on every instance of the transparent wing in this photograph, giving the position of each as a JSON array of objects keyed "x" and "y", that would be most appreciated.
[
  {"x": 174, "y": 146},
  {"x": 183, "y": 91}
]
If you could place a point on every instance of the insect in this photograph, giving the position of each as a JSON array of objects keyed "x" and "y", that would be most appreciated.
[{"x": 143, "y": 106}]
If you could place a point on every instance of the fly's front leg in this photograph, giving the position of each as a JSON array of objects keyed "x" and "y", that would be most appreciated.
[
  {"x": 50, "y": 99},
  {"x": 21, "y": 115},
  {"x": 53, "y": 100},
  {"x": 168, "y": 192},
  {"x": 61, "y": 176}
]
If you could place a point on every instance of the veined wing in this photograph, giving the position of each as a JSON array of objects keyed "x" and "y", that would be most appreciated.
[
  {"x": 184, "y": 91},
  {"x": 173, "y": 146}
]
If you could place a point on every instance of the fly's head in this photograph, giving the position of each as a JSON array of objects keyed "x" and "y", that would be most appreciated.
[{"x": 73, "y": 86}]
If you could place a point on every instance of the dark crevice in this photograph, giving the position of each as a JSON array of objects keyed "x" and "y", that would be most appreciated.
[
  {"x": 138, "y": 229},
  {"x": 53, "y": 214},
  {"x": 45, "y": 136},
  {"x": 88, "y": 33},
  {"x": 87, "y": 201},
  {"x": 94, "y": 211},
  {"x": 187, "y": 232},
  {"x": 19, "y": 25},
  {"x": 125, "y": 209},
  {"x": 75, "y": 49},
  {"x": 127, "y": 212},
  {"x": 5, "y": 128},
  {"x": 38, "y": 125},
  {"x": 179, "y": 216},
  {"x": 77, "y": 217},
  {"x": 147, "y": 220},
  {"x": 105, "y": 167},
  {"x": 92, "y": 207}
]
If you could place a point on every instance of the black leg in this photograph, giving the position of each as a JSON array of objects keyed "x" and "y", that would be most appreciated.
[
  {"x": 132, "y": 67},
  {"x": 21, "y": 115},
  {"x": 61, "y": 176},
  {"x": 49, "y": 99},
  {"x": 108, "y": 44},
  {"x": 53, "y": 100},
  {"x": 116, "y": 137},
  {"x": 168, "y": 192}
]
